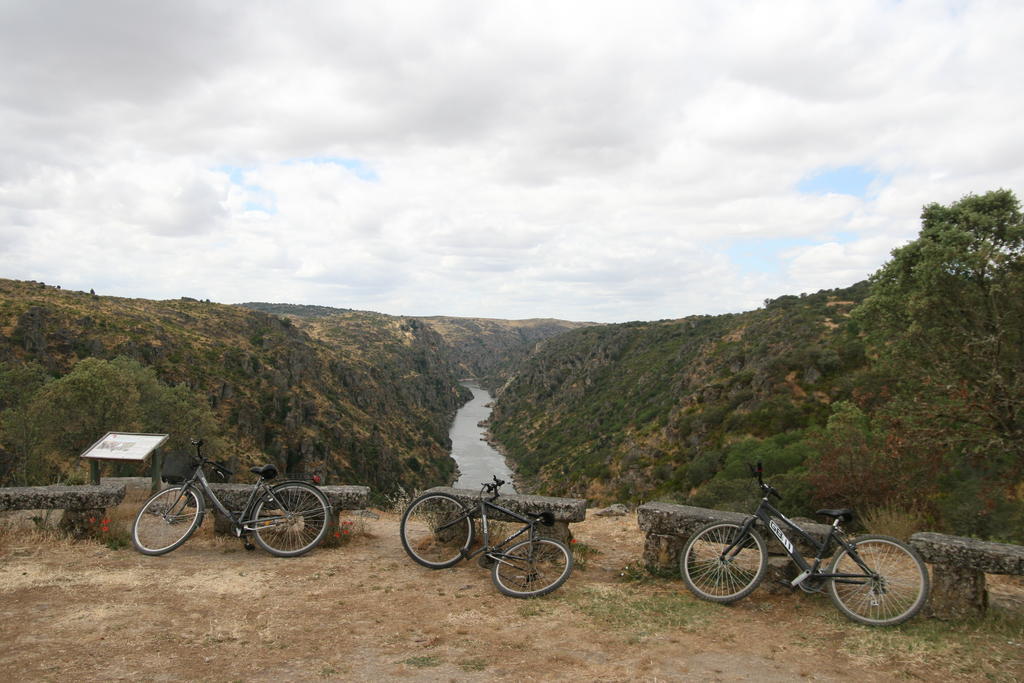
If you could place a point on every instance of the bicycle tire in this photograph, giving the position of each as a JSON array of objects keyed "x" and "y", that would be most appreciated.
[
  {"x": 167, "y": 519},
  {"x": 436, "y": 530},
  {"x": 307, "y": 514},
  {"x": 894, "y": 596},
  {"x": 530, "y": 569},
  {"x": 709, "y": 576}
]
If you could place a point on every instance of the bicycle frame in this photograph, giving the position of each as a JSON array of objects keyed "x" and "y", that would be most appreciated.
[
  {"x": 243, "y": 523},
  {"x": 767, "y": 514},
  {"x": 482, "y": 507}
]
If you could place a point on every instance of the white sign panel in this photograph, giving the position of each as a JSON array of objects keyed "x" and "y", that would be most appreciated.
[{"x": 121, "y": 446}]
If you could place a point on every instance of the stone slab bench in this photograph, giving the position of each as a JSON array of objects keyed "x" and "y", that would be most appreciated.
[
  {"x": 234, "y": 497},
  {"x": 566, "y": 511},
  {"x": 959, "y": 566},
  {"x": 133, "y": 485},
  {"x": 668, "y": 526},
  {"x": 83, "y": 506}
]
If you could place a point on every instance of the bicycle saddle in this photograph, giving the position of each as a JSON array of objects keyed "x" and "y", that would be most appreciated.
[
  {"x": 843, "y": 515},
  {"x": 265, "y": 472}
]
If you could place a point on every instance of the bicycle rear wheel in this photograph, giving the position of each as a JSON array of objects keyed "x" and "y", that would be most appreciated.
[
  {"x": 294, "y": 524},
  {"x": 166, "y": 520},
  {"x": 532, "y": 568},
  {"x": 712, "y": 574},
  {"x": 895, "y": 591},
  {"x": 436, "y": 530}
]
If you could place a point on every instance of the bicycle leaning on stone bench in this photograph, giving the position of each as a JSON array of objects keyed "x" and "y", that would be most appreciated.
[
  {"x": 874, "y": 580},
  {"x": 437, "y": 532},
  {"x": 287, "y": 519}
]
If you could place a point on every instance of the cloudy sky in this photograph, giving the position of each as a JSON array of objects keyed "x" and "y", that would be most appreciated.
[{"x": 591, "y": 160}]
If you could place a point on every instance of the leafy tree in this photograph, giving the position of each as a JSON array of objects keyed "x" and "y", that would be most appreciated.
[
  {"x": 21, "y": 446},
  {"x": 92, "y": 399},
  {"x": 18, "y": 381},
  {"x": 21, "y": 431},
  {"x": 64, "y": 416},
  {"x": 860, "y": 463},
  {"x": 945, "y": 320}
]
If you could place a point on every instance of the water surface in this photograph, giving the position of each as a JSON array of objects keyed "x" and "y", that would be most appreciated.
[{"x": 476, "y": 459}]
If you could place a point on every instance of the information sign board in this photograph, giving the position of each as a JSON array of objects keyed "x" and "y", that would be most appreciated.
[{"x": 122, "y": 446}]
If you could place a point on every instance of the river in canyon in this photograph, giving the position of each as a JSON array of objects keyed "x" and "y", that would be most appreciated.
[{"x": 476, "y": 459}]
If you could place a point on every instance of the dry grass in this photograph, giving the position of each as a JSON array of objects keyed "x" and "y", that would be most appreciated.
[
  {"x": 991, "y": 648},
  {"x": 364, "y": 611},
  {"x": 894, "y": 520}
]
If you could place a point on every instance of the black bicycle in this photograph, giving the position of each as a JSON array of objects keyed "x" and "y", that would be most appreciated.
[
  {"x": 875, "y": 580},
  {"x": 287, "y": 519},
  {"x": 437, "y": 531}
]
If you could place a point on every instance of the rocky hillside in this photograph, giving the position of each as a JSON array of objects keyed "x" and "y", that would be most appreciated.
[
  {"x": 366, "y": 398},
  {"x": 489, "y": 350},
  {"x": 492, "y": 350},
  {"x": 637, "y": 410}
]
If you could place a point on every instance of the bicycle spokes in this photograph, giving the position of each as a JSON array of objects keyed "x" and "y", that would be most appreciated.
[
  {"x": 532, "y": 568},
  {"x": 893, "y": 588}
]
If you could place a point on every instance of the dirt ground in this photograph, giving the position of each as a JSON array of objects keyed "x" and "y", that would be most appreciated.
[{"x": 211, "y": 611}]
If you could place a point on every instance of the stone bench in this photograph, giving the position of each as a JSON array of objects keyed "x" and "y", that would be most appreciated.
[
  {"x": 959, "y": 566},
  {"x": 234, "y": 497},
  {"x": 84, "y": 506},
  {"x": 566, "y": 511},
  {"x": 668, "y": 526}
]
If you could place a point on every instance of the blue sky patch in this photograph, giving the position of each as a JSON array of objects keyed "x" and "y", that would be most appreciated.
[
  {"x": 762, "y": 256},
  {"x": 765, "y": 255},
  {"x": 258, "y": 198},
  {"x": 358, "y": 167},
  {"x": 235, "y": 174},
  {"x": 266, "y": 204},
  {"x": 856, "y": 181}
]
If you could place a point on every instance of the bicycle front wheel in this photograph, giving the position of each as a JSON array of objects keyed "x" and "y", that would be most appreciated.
[
  {"x": 293, "y": 521},
  {"x": 436, "y": 530},
  {"x": 888, "y": 585},
  {"x": 532, "y": 568},
  {"x": 712, "y": 572},
  {"x": 166, "y": 520}
]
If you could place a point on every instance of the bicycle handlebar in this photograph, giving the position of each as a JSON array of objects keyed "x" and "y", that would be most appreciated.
[
  {"x": 492, "y": 487},
  {"x": 218, "y": 467},
  {"x": 766, "y": 488}
]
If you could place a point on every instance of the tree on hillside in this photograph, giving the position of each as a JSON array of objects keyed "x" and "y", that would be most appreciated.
[
  {"x": 21, "y": 431},
  {"x": 18, "y": 381},
  {"x": 64, "y": 416},
  {"x": 945, "y": 320},
  {"x": 92, "y": 399}
]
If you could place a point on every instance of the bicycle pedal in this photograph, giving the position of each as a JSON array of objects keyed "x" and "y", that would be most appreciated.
[
  {"x": 800, "y": 579},
  {"x": 248, "y": 546}
]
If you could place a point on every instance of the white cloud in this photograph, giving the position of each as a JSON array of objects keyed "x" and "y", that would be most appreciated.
[{"x": 580, "y": 160}]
